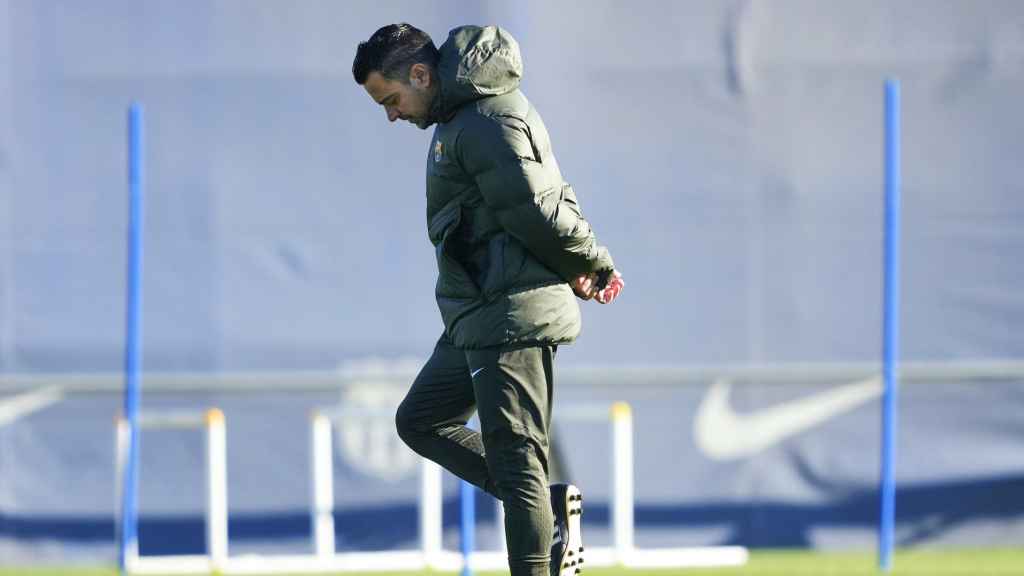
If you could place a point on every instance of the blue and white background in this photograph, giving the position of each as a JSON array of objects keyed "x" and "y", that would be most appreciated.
[{"x": 729, "y": 153}]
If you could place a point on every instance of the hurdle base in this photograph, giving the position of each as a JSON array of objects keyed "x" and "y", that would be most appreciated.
[{"x": 442, "y": 561}]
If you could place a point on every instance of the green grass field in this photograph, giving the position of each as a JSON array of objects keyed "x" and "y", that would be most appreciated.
[{"x": 980, "y": 562}]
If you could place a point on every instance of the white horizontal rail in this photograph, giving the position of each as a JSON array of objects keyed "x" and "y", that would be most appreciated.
[
  {"x": 612, "y": 375},
  {"x": 447, "y": 561},
  {"x": 173, "y": 420}
]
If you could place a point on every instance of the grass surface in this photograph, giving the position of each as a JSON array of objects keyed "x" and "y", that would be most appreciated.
[{"x": 982, "y": 562}]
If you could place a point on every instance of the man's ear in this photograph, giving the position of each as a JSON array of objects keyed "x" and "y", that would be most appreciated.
[{"x": 419, "y": 75}]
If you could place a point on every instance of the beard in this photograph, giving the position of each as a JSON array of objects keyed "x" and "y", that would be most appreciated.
[{"x": 433, "y": 110}]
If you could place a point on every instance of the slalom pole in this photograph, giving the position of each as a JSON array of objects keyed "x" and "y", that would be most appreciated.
[
  {"x": 467, "y": 524},
  {"x": 890, "y": 323},
  {"x": 128, "y": 545}
]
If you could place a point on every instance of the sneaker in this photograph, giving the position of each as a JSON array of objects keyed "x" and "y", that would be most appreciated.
[{"x": 567, "y": 542}]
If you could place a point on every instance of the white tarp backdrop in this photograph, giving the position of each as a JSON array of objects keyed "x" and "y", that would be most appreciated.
[{"x": 729, "y": 153}]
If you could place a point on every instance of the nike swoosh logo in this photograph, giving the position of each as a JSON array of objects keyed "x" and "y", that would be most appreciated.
[
  {"x": 722, "y": 434},
  {"x": 475, "y": 372}
]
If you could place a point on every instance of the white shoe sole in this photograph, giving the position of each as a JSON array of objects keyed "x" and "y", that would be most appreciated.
[{"x": 572, "y": 562}]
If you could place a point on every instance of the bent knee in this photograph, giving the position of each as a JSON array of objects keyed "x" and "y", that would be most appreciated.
[{"x": 404, "y": 423}]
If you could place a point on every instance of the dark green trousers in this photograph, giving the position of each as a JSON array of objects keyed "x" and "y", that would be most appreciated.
[{"x": 511, "y": 390}]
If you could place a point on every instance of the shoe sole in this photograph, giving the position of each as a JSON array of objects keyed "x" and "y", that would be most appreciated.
[{"x": 572, "y": 562}]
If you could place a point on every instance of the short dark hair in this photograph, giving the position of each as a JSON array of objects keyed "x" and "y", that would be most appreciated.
[{"x": 392, "y": 51}]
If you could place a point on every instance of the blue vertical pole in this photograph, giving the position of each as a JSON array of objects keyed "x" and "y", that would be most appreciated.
[
  {"x": 891, "y": 324},
  {"x": 133, "y": 337},
  {"x": 467, "y": 524}
]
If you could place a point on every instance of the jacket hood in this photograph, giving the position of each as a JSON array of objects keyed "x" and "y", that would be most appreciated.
[{"x": 476, "y": 62}]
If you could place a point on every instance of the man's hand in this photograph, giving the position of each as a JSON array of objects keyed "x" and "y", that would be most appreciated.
[
  {"x": 585, "y": 286},
  {"x": 611, "y": 289}
]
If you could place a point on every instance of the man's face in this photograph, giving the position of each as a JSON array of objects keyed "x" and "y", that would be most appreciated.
[{"x": 404, "y": 101}]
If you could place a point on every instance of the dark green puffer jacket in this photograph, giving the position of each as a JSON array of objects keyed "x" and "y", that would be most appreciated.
[{"x": 507, "y": 230}]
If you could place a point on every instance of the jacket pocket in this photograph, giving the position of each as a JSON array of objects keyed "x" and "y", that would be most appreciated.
[
  {"x": 453, "y": 281},
  {"x": 446, "y": 220}
]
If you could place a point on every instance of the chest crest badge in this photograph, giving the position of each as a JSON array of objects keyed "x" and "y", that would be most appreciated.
[{"x": 438, "y": 151}]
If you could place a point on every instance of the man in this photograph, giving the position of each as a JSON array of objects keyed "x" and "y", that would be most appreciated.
[{"x": 512, "y": 249}]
